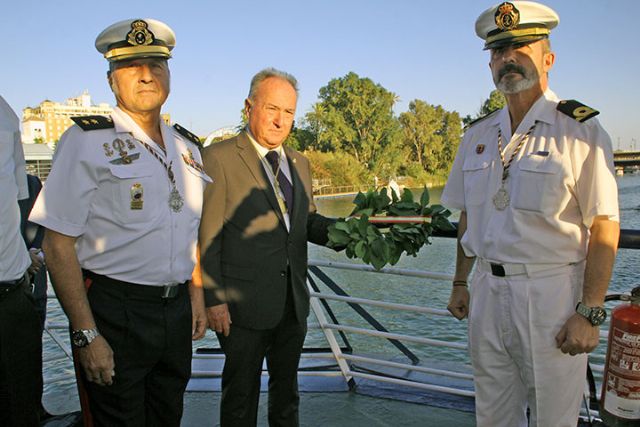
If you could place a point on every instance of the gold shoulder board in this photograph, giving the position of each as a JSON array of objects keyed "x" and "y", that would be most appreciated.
[
  {"x": 93, "y": 122},
  {"x": 576, "y": 110},
  {"x": 190, "y": 136}
]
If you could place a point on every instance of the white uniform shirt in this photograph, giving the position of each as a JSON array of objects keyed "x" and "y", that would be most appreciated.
[
  {"x": 284, "y": 168},
  {"x": 90, "y": 194},
  {"x": 562, "y": 178},
  {"x": 14, "y": 257}
]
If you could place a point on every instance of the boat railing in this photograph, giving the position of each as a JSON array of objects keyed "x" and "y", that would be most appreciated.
[{"x": 351, "y": 364}]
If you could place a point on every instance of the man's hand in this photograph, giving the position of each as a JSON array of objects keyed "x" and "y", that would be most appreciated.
[
  {"x": 577, "y": 336},
  {"x": 199, "y": 318},
  {"x": 36, "y": 262},
  {"x": 459, "y": 302},
  {"x": 219, "y": 319},
  {"x": 97, "y": 361}
]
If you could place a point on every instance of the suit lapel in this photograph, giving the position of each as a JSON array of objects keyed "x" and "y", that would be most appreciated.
[{"x": 250, "y": 158}]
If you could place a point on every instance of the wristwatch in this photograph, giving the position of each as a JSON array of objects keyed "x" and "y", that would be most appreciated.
[
  {"x": 595, "y": 315},
  {"x": 83, "y": 337}
]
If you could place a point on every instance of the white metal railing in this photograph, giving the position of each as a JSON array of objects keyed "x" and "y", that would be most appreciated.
[{"x": 329, "y": 330}]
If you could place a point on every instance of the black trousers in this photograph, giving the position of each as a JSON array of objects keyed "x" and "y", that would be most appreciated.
[
  {"x": 245, "y": 350},
  {"x": 151, "y": 342},
  {"x": 20, "y": 359}
]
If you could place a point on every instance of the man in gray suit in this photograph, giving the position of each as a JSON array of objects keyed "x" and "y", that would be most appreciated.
[{"x": 257, "y": 218}]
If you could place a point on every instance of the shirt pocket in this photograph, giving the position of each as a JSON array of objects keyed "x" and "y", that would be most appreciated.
[
  {"x": 476, "y": 179},
  {"x": 136, "y": 194},
  {"x": 536, "y": 188}
]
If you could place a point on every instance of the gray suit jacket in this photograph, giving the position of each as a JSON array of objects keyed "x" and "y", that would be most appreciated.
[{"x": 246, "y": 251}]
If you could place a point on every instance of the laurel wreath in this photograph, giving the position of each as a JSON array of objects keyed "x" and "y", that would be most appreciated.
[{"x": 384, "y": 243}]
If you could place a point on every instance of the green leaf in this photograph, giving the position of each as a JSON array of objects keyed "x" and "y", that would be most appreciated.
[
  {"x": 341, "y": 225},
  {"x": 424, "y": 198},
  {"x": 360, "y": 249},
  {"x": 377, "y": 262},
  {"x": 407, "y": 196}
]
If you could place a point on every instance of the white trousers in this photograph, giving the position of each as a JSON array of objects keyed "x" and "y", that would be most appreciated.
[{"x": 513, "y": 322}]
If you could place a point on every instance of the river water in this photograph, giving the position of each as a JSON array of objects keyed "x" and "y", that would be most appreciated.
[{"x": 438, "y": 257}]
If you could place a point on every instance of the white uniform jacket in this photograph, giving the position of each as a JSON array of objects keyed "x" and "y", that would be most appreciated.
[
  {"x": 108, "y": 190},
  {"x": 561, "y": 179}
]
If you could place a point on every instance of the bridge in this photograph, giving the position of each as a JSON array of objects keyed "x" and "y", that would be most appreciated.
[{"x": 626, "y": 161}]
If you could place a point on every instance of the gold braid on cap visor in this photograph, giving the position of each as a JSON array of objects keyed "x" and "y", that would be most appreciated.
[
  {"x": 517, "y": 33},
  {"x": 121, "y": 53}
]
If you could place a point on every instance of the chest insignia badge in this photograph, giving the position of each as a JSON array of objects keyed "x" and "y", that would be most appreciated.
[
  {"x": 191, "y": 162},
  {"x": 119, "y": 146},
  {"x": 107, "y": 149},
  {"x": 479, "y": 148},
  {"x": 137, "y": 199}
]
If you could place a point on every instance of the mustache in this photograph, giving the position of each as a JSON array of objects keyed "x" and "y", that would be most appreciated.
[{"x": 511, "y": 68}]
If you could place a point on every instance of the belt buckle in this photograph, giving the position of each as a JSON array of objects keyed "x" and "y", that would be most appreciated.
[
  {"x": 169, "y": 291},
  {"x": 498, "y": 270}
]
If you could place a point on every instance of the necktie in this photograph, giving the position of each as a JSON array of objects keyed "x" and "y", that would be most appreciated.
[{"x": 285, "y": 186}]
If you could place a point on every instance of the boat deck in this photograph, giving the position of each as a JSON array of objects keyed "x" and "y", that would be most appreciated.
[{"x": 336, "y": 409}]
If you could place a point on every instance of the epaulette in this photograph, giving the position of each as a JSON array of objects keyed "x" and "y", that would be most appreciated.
[
  {"x": 93, "y": 122},
  {"x": 190, "y": 136},
  {"x": 479, "y": 119},
  {"x": 576, "y": 110}
]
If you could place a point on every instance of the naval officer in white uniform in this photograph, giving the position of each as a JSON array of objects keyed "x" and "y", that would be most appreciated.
[
  {"x": 122, "y": 208},
  {"x": 535, "y": 184}
]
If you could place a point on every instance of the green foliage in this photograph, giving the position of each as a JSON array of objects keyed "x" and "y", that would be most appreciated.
[
  {"x": 432, "y": 134},
  {"x": 495, "y": 101},
  {"x": 363, "y": 240},
  {"x": 355, "y": 115},
  {"x": 341, "y": 168}
]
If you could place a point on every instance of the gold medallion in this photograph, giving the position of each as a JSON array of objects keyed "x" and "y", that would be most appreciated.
[{"x": 501, "y": 199}]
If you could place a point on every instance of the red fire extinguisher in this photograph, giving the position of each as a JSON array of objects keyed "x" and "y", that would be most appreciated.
[{"x": 620, "y": 398}]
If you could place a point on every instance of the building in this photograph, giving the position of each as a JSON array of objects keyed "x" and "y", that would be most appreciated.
[
  {"x": 48, "y": 121},
  {"x": 38, "y": 159}
]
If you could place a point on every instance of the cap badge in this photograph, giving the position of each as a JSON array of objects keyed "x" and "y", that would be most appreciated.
[
  {"x": 139, "y": 34},
  {"x": 479, "y": 148},
  {"x": 507, "y": 16}
]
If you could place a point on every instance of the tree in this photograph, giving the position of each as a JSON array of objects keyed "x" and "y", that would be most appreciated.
[
  {"x": 432, "y": 133},
  {"x": 356, "y": 115},
  {"x": 495, "y": 101}
]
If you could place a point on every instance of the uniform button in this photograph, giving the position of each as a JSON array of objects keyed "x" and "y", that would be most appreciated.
[{"x": 283, "y": 273}]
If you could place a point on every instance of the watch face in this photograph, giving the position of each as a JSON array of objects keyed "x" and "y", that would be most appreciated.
[
  {"x": 79, "y": 339},
  {"x": 598, "y": 316}
]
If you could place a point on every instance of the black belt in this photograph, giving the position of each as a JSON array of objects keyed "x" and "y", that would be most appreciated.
[
  {"x": 152, "y": 291},
  {"x": 12, "y": 285},
  {"x": 498, "y": 270}
]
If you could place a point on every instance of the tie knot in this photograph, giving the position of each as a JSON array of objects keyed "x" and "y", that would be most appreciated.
[{"x": 273, "y": 158}]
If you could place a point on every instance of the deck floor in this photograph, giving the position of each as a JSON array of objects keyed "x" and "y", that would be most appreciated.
[{"x": 335, "y": 409}]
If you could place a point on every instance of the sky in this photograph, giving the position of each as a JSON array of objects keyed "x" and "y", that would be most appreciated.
[{"x": 424, "y": 50}]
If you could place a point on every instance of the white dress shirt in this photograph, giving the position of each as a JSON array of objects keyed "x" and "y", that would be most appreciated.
[{"x": 284, "y": 169}]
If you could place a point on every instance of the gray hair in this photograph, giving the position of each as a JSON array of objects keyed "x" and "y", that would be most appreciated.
[{"x": 268, "y": 73}]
